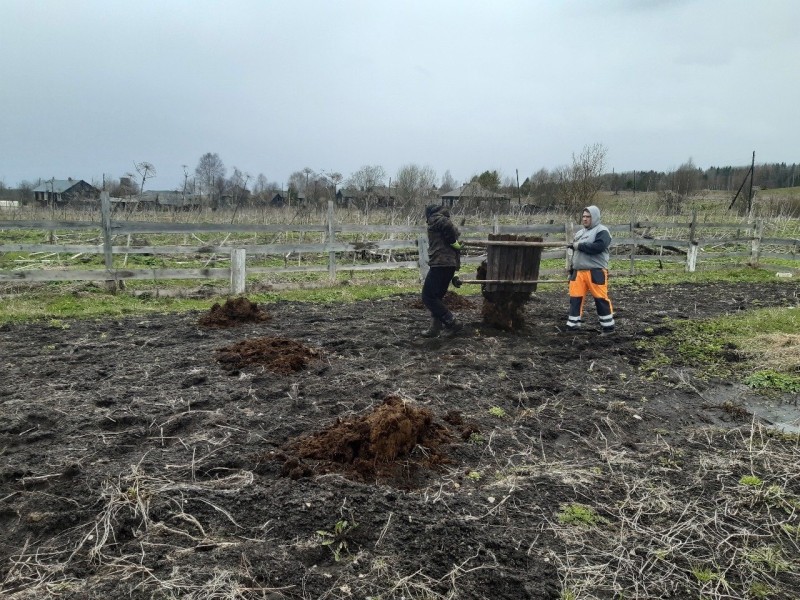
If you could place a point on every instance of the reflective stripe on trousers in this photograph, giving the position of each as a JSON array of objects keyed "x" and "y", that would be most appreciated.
[{"x": 594, "y": 282}]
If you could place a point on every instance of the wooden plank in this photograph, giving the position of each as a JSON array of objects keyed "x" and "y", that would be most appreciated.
[
  {"x": 47, "y": 225},
  {"x": 276, "y": 249},
  {"x": 103, "y": 275},
  {"x": 698, "y": 225},
  {"x": 779, "y": 256},
  {"x": 509, "y": 242},
  {"x": 780, "y": 242},
  {"x": 125, "y": 227},
  {"x": 527, "y": 229},
  {"x": 525, "y": 282}
]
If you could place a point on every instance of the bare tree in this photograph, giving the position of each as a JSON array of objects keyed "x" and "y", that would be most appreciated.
[
  {"x": 263, "y": 188},
  {"x": 146, "y": 171},
  {"x": 335, "y": 179},
  {"x": 415, "y": 183},
  {"x": 297, "y": 185},
  {"x": 188, "y": 186},
  {"x": 25, "y": 191},
  {"x": 685, "y": 183},
  {"x": 210, "y": 170},
  {"x": 541, "y": 189},
  {"x": 579, "y": 182},
  {"x": 329, "y": 182},
  {"x": 365, "y": 180},
  {"x": 237, "y": 187},
  {"x": 448, "y": 183}
]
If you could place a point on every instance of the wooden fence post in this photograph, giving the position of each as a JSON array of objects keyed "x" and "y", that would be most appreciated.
[
  {"x": 496, "y": 225},
  {"x": 422, "y": 246},
  {"x": 633, "y": 250},
  {"x": 105, "y": 219},
  {"x": 691, "y": 253},
  {"x": 755, "y": 244},
  {"x": 238, "y": 256},
  {"x": 331, "y": 241},
  {"x": 691, "y": 257},
  {"x": 568, "y": 238}
]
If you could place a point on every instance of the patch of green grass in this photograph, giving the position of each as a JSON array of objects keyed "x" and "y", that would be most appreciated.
[
  {"x": 90, "y": 300},
  {"x": 579, "y": 515},
  {"x": 751, "y": 481},
  {"x": 769, "y": 558},
  {"x": 649, "y": 274},
  {"x": 336, "y": 538},
  {"x": 760, "y": 590},
  {"x": 769, "y": 379},
  {"x": 704, "y": 574},
  {"x": 497, "y": 411},
  {"x": 730, "y": 345}
]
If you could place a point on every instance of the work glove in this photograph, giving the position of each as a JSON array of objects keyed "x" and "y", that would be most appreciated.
[
  {"x": 574, "y": 246},
  {"x": 456, "y": 245},
  {"x": 457, "y": 282}
]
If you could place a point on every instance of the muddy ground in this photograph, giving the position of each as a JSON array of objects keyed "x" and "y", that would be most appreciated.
[{"x": 326, "y": 451}]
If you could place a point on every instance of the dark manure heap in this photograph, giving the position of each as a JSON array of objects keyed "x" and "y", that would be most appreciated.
[
  {"x": 278, "y": 355},
  {"x": 386, "y": 443},
  {"x": 235, "y": 311}
]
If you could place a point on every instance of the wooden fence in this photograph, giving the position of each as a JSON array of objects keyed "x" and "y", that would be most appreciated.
[{"x": 733, "y": 241}]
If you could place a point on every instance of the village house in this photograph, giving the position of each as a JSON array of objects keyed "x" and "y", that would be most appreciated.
[
  {"x": 60, "y": 192},
  {"x": 475, "y": 197}
]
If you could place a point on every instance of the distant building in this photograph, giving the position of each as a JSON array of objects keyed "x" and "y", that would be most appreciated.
[
  {"x": 379, "y": 196},
  {"x": 473, "y": 196},
  {"x": 171, "y": 199},
  {"x": 60, "y": 192}
]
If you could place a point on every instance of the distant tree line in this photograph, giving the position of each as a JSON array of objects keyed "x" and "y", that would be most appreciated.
[{"x": 569, "y": 186}]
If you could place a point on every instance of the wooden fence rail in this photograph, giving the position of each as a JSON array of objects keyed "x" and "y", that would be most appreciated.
[{"x": 739, "y": 242}]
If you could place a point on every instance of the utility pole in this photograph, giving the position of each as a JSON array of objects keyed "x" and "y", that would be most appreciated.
[{"x": 752, "y": 176}]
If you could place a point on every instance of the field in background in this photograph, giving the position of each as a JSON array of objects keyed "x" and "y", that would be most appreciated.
[{"x": 618, "y": 209}]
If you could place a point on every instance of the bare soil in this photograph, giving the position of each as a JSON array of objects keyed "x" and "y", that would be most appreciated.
[{"x": 327, "y": 451}]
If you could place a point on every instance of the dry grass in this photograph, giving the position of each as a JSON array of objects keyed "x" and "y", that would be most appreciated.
[{"x": 778, "y": 351}]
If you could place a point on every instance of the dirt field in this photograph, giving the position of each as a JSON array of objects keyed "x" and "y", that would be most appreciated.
[{"x": 326, "y": 451}]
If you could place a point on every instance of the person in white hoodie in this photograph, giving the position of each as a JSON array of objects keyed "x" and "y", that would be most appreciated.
[{"x": 589, "y": 272}]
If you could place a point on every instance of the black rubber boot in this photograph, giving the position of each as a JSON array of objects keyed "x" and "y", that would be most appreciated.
[
  {"x": 434, "y": 330},
  {"x": 453, "y": 326}
]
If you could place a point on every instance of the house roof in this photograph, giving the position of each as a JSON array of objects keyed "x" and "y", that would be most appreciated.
[{"x": 57, "y": 186}]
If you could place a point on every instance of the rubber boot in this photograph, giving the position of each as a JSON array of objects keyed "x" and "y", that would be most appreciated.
[
  {"x": 434, "y": 330},
  {"x": 452, "y": 326}
]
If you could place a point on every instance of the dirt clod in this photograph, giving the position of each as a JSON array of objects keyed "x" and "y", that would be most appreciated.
[
  {"x": 234, "y": 312},
  {"x": 275, "y": 354},
  {"x": 370, "y": 445}
]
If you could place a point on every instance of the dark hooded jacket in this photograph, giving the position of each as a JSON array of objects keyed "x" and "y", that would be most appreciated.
[
  {"x": 593, "y": 244},
  {"x": 441, "y": 233}
]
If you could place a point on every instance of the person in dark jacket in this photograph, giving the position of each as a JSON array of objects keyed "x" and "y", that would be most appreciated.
[
  {"x": 589, "y": 272},
  {"x": 444, "y": 259}
]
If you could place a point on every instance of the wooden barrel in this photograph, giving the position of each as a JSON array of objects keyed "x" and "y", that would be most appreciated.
[{"x": 516, "y": 263}]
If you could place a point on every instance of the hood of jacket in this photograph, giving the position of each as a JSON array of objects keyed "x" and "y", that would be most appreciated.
[
  {"x": 435, "y": 209},
  {"x": 595, "y": 212}
]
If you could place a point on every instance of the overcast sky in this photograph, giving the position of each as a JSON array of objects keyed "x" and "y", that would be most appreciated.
[{"x": 90, "y": 87}]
